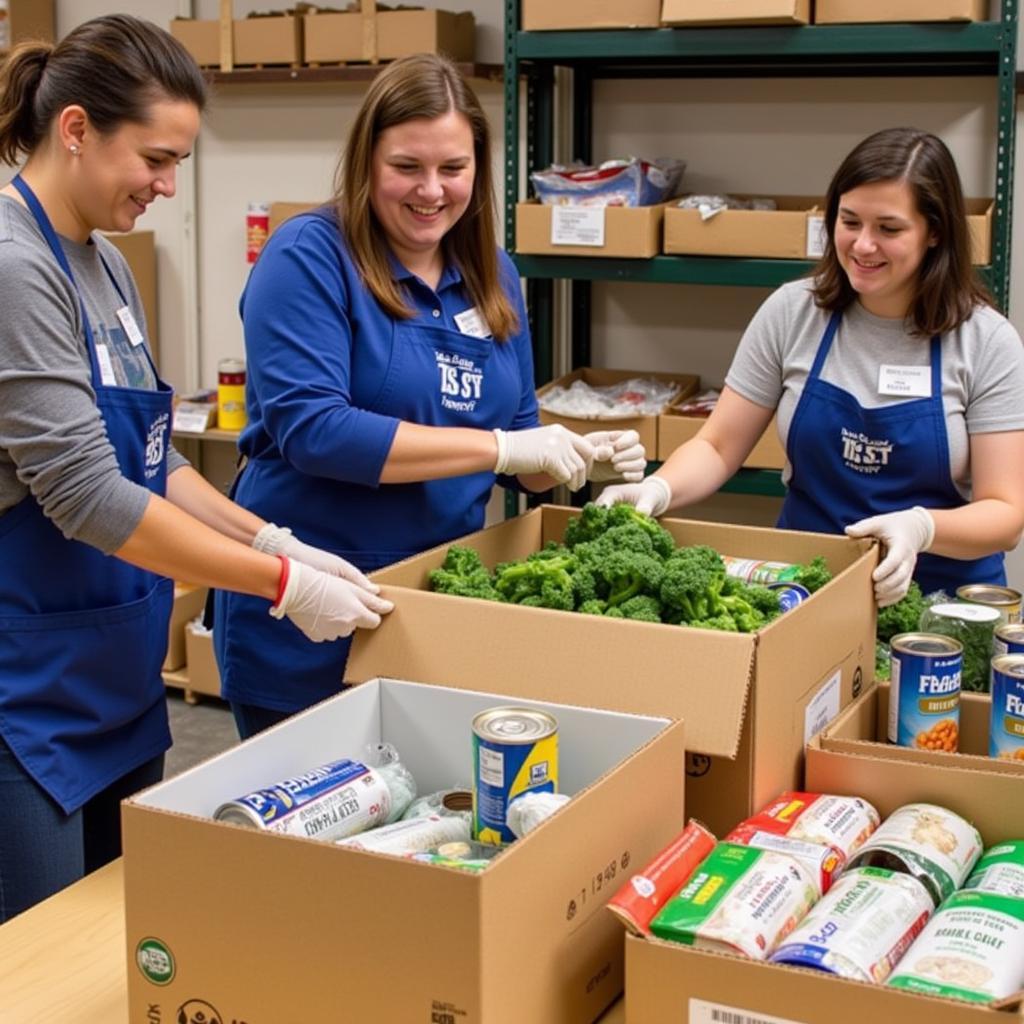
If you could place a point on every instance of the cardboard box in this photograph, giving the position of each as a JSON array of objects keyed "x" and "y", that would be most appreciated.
[
  {"x": 675, "y": 429},
  {"x": 828, "y": 12},
  {"x": 331, "y": 38},
  {"x": 979, "y": 223},
  {"x": 633, "y": 232},
  {"x": 645, "y": 426},
  {"x": 662, "y": 977},
  {"x": 542, "y": 15},
  {"x": 188, "y": 603},
  {"x": 200, "y": 661},
  {"x": 280, "y": 212},
  {"x": 771, "y": 690},
  {"x": 731, "y": 12},
  {"x": 30, "y": 19},
  {"x": 780, "y": 234},
  {"x": 368, "y": 937},
  {"x": 139, "y": 250},
  {"x": 274, "y": 39}
]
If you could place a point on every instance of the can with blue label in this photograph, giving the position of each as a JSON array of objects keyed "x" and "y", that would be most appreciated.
[
  {"x": 789, "y": 594},
  {"x": 1008, "y": 639},
  {"x": 515, "y": 751},
  {"x": 1006, "y": 732},
  {"x": 924, "y": 691}
]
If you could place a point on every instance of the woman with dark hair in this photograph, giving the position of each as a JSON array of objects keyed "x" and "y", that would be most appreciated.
[
  {"x": 95, "y": 506},
  {"x": 390, "y": 371},
  {"x": 899, "y": 390}
]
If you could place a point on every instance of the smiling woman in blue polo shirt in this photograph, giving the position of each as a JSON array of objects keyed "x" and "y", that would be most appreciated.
[{"x": 390, "y": 373}]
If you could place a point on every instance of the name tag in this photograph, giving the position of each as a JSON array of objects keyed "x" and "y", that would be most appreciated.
[
  {"x": 905, "y": 381},
  {"x": 107, "y": 375},
  {"x": 470, "y": 322},
  {"x": 131, "y": 328}
]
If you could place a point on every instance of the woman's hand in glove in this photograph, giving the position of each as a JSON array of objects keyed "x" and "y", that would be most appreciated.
[
  {"x": 618, "y": 455},
  {"x": 903, "y": 535},
  {"x": 652, "y": 495},
  {"x": 325, "y": 606},
  {"x": 561, "y": 454},
  {"x": 278, "y": 540}
]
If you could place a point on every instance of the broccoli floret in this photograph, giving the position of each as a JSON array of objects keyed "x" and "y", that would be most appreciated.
[
  {"x": 626, "y": 515},
  {"x": 764, "y": 600},
  {"x": 882, "y": 666},
  {"x": 593, "y": 607},
  {"x": 539, "y": 582},
  {"x": 692, "y": 583},
  {"x": 724, "y": 623},
  {"x": 747, "y": 618},
  {"x": 462, "y": 574},
  {"x": 643, "y": 608},
  {"x": 901, "y": 617},
  {"x": 814, "y": 575},
  {"x": 614, "y": 613},
  {"x": 588, "y": 525}
]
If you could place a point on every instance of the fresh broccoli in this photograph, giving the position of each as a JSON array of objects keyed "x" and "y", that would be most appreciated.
[
  {"x": 614, "y": 613},
  {"x": 593, "y": 607},
  {"x": 814, "y": 575},
  {"x": 613, "y": 569},
  {"x": 882, "y": 666},
  {"x": 642, "y": 608},
  {"x": 902, "y": 617},
  {"x": 629, "y": 574},
  {"x": 724, "y": 623},
  {"x": 692, "y": 583},
  {"x": 588, "y": 525},
  {"x": 627, "y": 515},
  {"x": 462, "y": 574},
  {"x": 538, "y": 582}
]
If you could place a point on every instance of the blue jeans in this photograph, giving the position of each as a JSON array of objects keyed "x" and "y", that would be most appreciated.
[
  {"x": 251, "y": 719},
  {"x": 42, "y": 849}
]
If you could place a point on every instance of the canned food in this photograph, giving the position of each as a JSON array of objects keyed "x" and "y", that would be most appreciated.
[
  {"x": 862, "y": 927},
  {"x": 257, "y": 228},
  {"x": 1006, "y": 731},
  {"x": 1008, "y": 639},
  {"x": 515, "y": 751},
  {"x": 752, "y": 570},
  {"x": 931, "y": 843},
  {"x": 231, "y": 394},
  {"x": 329, "y": 802},
  {"x": 972, "y": 625},
  {"x": 822, "y": 862},
  {"x": 789, "y": 594},
  {"x": 1005, "y": 600},
  {"x": 972, "y": 949},
  {"x": 740, "y": 900},
  {"x": 1000, "y": 870},
  {"x": 412, "y": 835},
  {"x": 924, "y": 691}
]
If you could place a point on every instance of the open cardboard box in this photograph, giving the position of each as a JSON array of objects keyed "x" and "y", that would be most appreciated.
[
  {"x": 849, "y": 11},
  {"x": 332, "y": 37},
  {"x": 731, "y": 12},
  {"x": 268, "y": 39},
  {"x": 188, "y": 603},
  {"x": 353, "y": 936},
  {"x": 539, "y": 15},
  {"x": 669, "y": 981},
  {"x": 750, "y": 701},
  {"x": 628, "y": 232},
  {"x": 645, "y": 426},
  {"x": 675, "y": 428}
]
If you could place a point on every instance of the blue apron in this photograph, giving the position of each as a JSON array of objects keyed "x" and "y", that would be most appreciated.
[
  {"x": 849, "y": 462},
  {"x": 83, "y": 634}
]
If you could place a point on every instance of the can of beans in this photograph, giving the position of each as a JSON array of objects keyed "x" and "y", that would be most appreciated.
[
  {"x": 1008, "y": 639},
  {"x": 231, "y": 394},
  {"x": 257, "y": 227},
  {"x": 1005, "y": 600},
  {"x": 1006, "y": 730},
  {"x": 924, "y": 691}
]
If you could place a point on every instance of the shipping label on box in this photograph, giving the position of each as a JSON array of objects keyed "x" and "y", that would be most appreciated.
[
  {"x": 228, "y": 904},
  {"x": 631, "y": 232}
]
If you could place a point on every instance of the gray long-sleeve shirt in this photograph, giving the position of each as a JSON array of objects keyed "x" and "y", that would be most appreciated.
[{"x": 53, "y": 442}]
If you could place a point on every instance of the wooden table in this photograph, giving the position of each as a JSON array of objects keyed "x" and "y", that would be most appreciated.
[{"x": 64, "y": 960}]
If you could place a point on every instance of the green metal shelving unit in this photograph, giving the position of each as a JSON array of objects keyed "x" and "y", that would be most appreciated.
[{"x": 961, "y": 48}]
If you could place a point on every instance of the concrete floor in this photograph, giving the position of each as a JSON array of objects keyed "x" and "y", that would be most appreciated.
[{"x": 199, "y": 730}]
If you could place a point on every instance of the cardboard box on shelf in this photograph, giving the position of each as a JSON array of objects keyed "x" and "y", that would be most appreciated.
[
  {"x": 139, "y": 250},
  {"x": 731, "y": 12},
  {"x": 541, "y": 15},
  {"x": 280, "y": 212},
  {"x": 231, "y": 904},
  {"x": 203, "y": 675},
  {"x": 334, "y": 37},
  {"x": 788, "y": 232},
  {"x": 662, "y": 976},
  {"x": 645, "y": 426},
  {"x": 828, "y": 12},
  {"x": 979, "y": 223},
  {"x": 675, "y": 428},
  {"x": 631, "y": 232},
  {"x": 200, "y": 37},
  {"x": 772, "y": 690},
  {"x": 30, "y": 20},
  {"x": 188, "y": 603},
  {"x": 269, "y": 39}
]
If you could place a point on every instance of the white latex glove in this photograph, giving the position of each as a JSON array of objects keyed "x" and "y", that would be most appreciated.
[
  {"x": 652, "y": 495},
  {"x": 618, "y": 455},
  {"x": 326, "y": 607},
  {"x": 553, "y": 450},
  {"x": 278, "y": 540},
  {"x": 903, "y": 535}
]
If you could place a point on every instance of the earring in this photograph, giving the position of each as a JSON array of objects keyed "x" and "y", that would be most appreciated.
[{"x": 74, "y": 150}]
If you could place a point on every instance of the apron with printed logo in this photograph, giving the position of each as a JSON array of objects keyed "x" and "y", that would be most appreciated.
[
  {"x": 850, "y": 462},
  {"x": 83, "y": 634}
]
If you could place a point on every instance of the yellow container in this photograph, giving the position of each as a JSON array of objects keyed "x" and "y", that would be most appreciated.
[{"x": 231, "y": 394}]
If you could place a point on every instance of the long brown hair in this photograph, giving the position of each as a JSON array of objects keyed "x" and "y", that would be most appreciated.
[
  {"x": 422, "y": 86},
  {"x": 947, "y": 289},
  {"x": 114, "y": 67}
]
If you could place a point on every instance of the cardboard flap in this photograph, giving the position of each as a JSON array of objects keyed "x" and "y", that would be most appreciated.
[{"x": 535, "y": 654}]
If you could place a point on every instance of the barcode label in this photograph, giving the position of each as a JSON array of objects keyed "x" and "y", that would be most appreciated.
[{"x": 703, "y": 1012}]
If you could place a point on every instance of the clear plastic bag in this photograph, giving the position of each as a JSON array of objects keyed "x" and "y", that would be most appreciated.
[{"x": 638, "y": 396}]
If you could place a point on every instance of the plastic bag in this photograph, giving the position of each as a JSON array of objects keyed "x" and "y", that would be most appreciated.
[
  {"x": 638, "y": 396},
  {"x": 629, "y": 182}
]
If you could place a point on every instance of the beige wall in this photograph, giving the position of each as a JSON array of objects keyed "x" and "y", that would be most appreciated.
[{"x": 754, "y": 135}]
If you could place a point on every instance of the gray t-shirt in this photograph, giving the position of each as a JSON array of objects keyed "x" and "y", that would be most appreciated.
[
  {"x": 53, "y": 441},
  {"x": 982, "y": 366}
]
